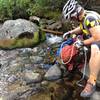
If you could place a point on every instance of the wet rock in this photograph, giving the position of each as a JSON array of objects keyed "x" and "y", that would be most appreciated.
[
  {"x": 34, "y": 19},
  {"x": 21, "y": 93},
  {"x": 25, "y": 50},
  {"x": 43, "y": 23},
  {"x": 3, "y": 87},
  {"x": 3, "y": 62},
  {"x": 44, "y": 83},
  {"x": 45, "y": 66},
  {"x": 55, "y": 26},
  {"x": 29, "y": 66},
  {"x": 36, "y": 59},
  {"x": 30, "y": 76},
  {"x": 12, "y": 79},
  {"x": 25, "y": 94},
  {"x": 11, "y": 96},
  {"x": 95, "y": 96},
  {"x": 35, "y": 49},
  {"x": 50, "y": 22},
  {"x": 53, "y": 73}
]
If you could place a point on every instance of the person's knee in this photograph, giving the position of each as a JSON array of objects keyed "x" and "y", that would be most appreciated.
[{"x": 94, "y": 50}]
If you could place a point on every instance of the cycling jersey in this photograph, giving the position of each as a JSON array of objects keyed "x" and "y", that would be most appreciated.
[
  {"x": 90, "y": 20},
  {"x": 97, "y": 43}
]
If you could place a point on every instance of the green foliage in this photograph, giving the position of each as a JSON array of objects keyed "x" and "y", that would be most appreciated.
[
  {"x": 12, "y": 9},
  {"x": 46, "y": 8},
  {"x": 42, "y": 3},
  {"x": 43, "y": 35},
  {"x": 23, "y": 3},
  {"x": 20, "y": 8},
  {"x": 55, "y": 15},
  {"x": 39, "y": 7},
  {"x": 5, "y": 8}
]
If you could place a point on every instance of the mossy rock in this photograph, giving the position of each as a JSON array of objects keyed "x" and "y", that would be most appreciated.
[{"x": 22, "y": 42}]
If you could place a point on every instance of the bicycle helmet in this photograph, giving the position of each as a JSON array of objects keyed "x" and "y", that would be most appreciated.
[{"x": 71, "y": 9}]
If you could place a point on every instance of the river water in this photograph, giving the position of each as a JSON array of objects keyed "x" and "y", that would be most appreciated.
[{"x": 22, "y": 74}]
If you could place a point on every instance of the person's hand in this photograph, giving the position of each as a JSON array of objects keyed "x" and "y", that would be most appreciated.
[
  {"x": 79, "y": 44},
  {"x": 65, "y": 35}
]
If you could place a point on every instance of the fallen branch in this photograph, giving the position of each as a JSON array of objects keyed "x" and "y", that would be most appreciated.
[{"x": 52, "y": 31}]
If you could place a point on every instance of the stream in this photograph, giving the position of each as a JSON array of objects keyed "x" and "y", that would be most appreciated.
[{"x": 32, "y": 74}]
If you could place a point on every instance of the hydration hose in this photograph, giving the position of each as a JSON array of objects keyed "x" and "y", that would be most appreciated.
[
  {"x": 85, "y": 62},
  {"x": 84, "y": 70}
]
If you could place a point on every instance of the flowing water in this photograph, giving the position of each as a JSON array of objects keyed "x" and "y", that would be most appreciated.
[{"x": 22, "y": 76}]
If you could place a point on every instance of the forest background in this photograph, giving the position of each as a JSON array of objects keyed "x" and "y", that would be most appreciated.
[{"x": 13, "y": 9}]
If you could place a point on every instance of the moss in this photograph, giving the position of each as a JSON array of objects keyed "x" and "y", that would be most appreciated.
[
  {"x": 7, "y": 43},
  {"x": 43, "y": 35},
  {"x": 22, "y": 42},
  {"x": 25, "y": 42}
]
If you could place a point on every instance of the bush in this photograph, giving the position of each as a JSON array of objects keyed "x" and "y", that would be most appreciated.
[
  {"x": 13, "y": 9},
  {"x": 5, "y": 9},
  {"x": 43, "y": 8}
]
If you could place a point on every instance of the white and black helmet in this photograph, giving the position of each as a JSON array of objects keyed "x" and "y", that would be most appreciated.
[{"x": 71, "y": 8}]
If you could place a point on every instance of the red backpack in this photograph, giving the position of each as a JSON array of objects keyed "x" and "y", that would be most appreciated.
[{"x": 68, "y": 55}]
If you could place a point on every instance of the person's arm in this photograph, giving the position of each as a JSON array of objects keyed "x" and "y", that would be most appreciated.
[
  {"x": 88, "y": 41},
  {"x": 95, "y": 32},
  {"x": 76, "y": 31}
]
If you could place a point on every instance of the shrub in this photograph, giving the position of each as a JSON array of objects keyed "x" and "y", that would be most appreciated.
[{"x": 11, "y": 8}]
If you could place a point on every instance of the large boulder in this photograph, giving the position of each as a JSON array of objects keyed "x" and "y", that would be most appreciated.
[
  {"x": 13, "y": 28},
  {"x": 20, "y": 33}
]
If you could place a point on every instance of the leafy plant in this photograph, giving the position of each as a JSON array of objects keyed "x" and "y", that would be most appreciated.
[
  {"x": 6, "y": 9},
  {"x": 43, "y": 8},
  {"x": 10, "y": 8},
  {"x": 13, "y": 9}
]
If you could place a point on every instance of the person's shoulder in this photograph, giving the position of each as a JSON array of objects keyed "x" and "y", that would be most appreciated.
[
  {"x": 92, "y": 15},
  {"x": 92, "y": 19}
]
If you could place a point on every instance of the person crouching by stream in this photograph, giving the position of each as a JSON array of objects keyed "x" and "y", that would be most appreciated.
[{"x": 89, "y": 24}]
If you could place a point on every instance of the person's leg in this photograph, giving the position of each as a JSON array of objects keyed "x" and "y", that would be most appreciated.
[
  {"x": 94, "y": 67},
  {"x": 94, "y": 64}
]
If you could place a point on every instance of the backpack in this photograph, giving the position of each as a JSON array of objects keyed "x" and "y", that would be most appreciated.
[{"x": 69, "y": 54}]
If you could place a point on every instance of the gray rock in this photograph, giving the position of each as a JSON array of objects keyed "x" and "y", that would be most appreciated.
[
  {"x": 95, "y": 96},
  {"x": 55, "y": 26},
  {"x": 25, "y": 50},
  {"x": 11, "y": 96},
  {"x": 53, "y": 73},
  {"x": 36, "y": 59},
  {"x": 44, "y": 83},
  {"x": 35, "y": 49},
  {"x": 12, "y": 79},
  {"x": 34, "y": 18},
  {"x": 13, "y": 28},
  {"x": 30, "y": 76}
]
